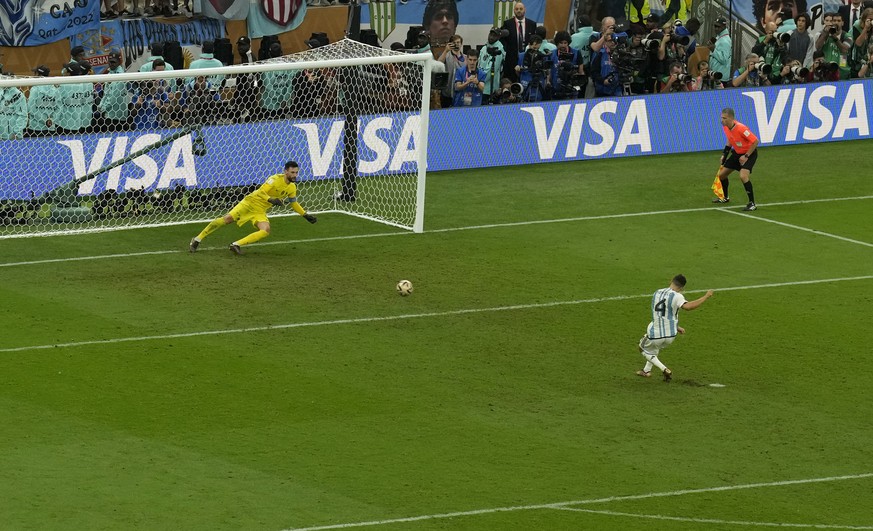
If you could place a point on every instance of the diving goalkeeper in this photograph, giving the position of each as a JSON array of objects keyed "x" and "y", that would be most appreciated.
[{"x": 277, "y": 190}]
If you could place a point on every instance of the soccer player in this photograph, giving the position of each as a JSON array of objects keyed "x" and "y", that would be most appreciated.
[
  {"x": 739, "y": 154},
  {"x": 662, "y": 330},
  {"x": 277, "y": 190}
]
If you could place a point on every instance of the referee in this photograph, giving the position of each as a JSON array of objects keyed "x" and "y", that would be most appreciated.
[{"x": 739, "y": 154}]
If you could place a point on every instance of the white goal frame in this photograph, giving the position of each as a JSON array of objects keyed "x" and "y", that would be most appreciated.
[{"x": 297, "y": 62}]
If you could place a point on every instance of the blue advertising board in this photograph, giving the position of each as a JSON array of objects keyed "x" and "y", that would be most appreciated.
[{"x": 491, "y": 136}]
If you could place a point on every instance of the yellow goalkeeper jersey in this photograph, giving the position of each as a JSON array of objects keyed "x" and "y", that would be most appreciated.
[{"x": 274, "y": 187}]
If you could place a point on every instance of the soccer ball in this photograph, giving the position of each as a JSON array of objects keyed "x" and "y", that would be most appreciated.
[{"x": 404, "y": 287}]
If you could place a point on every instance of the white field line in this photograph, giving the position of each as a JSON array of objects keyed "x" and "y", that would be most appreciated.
[
  {"x": 359, "y": 320},
  {"x": 714, "y": 520},
  {"x": 591, "y": 501},
  {"x": 798, "y": 227},
  {"x": 435, "y": 231}
]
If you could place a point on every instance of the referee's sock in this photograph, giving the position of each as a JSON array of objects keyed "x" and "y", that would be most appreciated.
[
  {"x": 724, "y": 187},
  {"x": 748, "y": 186}
]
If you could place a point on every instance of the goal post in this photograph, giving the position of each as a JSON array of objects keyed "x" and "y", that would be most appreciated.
[{"x": 144, "y": 149}]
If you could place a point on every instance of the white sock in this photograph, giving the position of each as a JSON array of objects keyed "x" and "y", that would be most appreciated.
[{"x": 653, "y": 360}]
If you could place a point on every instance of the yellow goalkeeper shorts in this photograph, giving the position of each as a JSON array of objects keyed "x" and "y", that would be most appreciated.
[{"x": 245, "y": 212}]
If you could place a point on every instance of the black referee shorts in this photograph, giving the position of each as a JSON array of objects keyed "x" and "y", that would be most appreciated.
[{"x": 732, "y": 161}]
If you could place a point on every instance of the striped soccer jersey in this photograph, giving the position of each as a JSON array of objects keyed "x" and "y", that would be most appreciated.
[{"x": 665, "y": 313}]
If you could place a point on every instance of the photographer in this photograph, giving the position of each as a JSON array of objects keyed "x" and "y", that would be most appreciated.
[
  {"x": 491, "y": 59},
  {"x": 453, "y": 58},
  {"x": 706, "y": 79},
  {"x": 835, "y": 44},
  {"x": 793, "y": 72},
  {"x": 532, "y": 70},
  {"x": 748, "y": 75},
  {"x": 862, "y": 33},
  {"x": 771, "y": 50},
  {"x": 469, "y": 82},
  {"x": 866, "y": 70},
  {"x": 677, "y": 80},
  {"x": 568, "y": 74},
  {"x": 822, "y": 70},
  {"x": 635, "y": 62},
  {"x": 599, "y": 39},
  {"x": 509, "y": 92},
  {"x": 607, "y": 81}
]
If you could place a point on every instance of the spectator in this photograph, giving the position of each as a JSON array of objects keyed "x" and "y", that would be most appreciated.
[
  {"x": 722, "y": 49},
  {"x": 76, "y": 100},
  {"x": 453, "y": 58},
  {"x": 152, "y": 103},
  {"x": 469, "y": 82},
  {"x": 115, "y": 102},
  {"x": 491, "y": 58},
  {"x": 850, "y": 12},
  {"x": 13, "y": 113},
  {"x": 42, "y": 106},
  {"x": 800, "y": 46},
  {"x": 518, "y": 30}
]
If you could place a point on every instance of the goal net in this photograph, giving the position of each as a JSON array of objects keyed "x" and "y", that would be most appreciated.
[{"x": 86, "y": 152}]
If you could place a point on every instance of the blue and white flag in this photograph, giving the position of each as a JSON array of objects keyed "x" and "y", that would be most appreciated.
[
  {"x": 272, "y": 17},
  {"x": 35, "y": 22}
]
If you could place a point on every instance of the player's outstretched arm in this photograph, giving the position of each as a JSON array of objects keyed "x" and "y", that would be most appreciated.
[{"x": 691, "y": 305}]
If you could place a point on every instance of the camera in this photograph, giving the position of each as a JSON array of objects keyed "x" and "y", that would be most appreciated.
[
  {"x": 493, "y": 51},
  {"x": 784, "y": 37},
  {"x": 653, "y": 40},
  {"x": 535, "y": 62},
  {"x": 763, "y": 67},
  {"x": 799, "y": 71},
  {"x": 683, "y": 78},
  {"x": 716, "y": 76},
  {"x": 832, "y": 30}
]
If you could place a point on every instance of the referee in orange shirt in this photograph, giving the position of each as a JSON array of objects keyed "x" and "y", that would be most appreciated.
[{"x": 740, "y": 155}]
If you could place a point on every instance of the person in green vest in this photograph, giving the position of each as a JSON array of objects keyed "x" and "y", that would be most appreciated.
[
  {"x": 13, "y": 113},
  {"x": 115, "y": 104},
  {"x": 76, "y": 100},
  {"x": 42, "y": 106},
  {"x": 208, "y": 60}
]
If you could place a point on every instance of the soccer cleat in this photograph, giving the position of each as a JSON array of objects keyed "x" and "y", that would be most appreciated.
[
  {"x": 644, "y": 374},
  {"x": 193, "y": 245},
  {"x": 718, "y": 200},
  {"x": 751, "y": 206},
  {"x": 235, "y": 249},
  {"x": 668, "y": 375}
]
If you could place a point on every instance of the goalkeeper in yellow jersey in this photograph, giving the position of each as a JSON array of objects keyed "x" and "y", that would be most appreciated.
[{"x": 277, "y": 190}]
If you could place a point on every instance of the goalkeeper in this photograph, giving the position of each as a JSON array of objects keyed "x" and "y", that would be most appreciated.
[{"x": 277, "y": 190}]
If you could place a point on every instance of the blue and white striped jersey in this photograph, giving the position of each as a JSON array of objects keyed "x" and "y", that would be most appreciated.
[{"x": 665, "y": 313}]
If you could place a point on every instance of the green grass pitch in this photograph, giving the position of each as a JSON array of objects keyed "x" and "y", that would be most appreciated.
[{"x": 145, "y": 387}]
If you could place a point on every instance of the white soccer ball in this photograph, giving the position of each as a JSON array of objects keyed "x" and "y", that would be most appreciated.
[{"x": 404, "y": 287}]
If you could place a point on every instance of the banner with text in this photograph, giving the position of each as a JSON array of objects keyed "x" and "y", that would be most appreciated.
[
  {"x": 36, "y": 22},
  {"x": 502, "y": 135}
]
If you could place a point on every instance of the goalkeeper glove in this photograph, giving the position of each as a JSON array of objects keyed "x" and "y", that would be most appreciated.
[{"x": 310, "y": 218}]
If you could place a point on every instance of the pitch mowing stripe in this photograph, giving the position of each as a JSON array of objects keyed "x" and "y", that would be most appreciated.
[
  {"x": 714, "y": 520},
  {"x": 568, "y": 504},
  {"x": 359, "y": 320},
  {"x": 798, "y": 227},
  {"x": 434, "y": 231}
]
